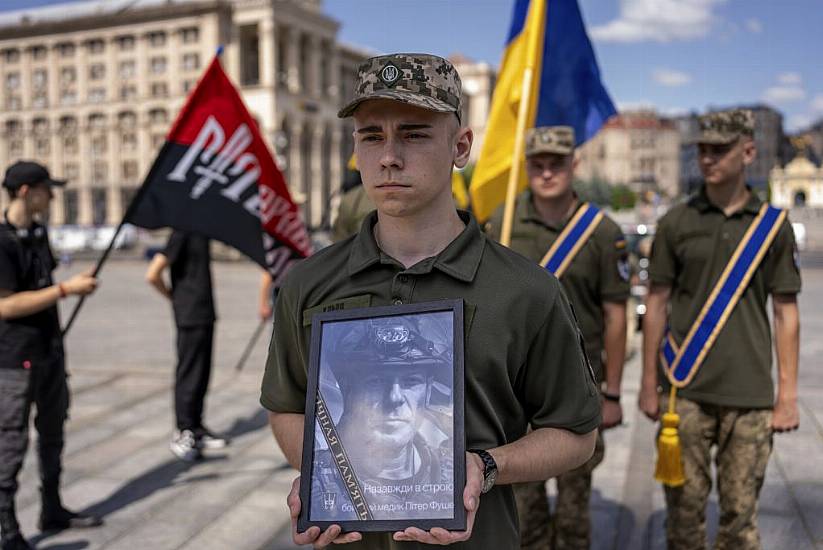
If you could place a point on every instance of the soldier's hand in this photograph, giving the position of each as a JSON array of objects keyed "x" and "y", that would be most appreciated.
[
  {"x": 81, "y": 284},
  {"x": 313, "y": 535},
  {"x": 649, "y": 401},
  {"x": 612, "y": 414},
  {"x": 265, "y": 310},
  {"x": 785, "y": 417},
  {"x": 471, "y": 500}
]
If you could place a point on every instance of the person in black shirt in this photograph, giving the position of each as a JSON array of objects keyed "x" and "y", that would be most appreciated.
[
  {"x": 32, "y": 368},
  {"x": 187, "y": 256}
]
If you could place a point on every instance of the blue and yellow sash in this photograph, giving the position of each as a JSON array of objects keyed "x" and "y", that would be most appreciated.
[
  {"x": 682, "y": 362},
  {"x": 572, "y": 239}
]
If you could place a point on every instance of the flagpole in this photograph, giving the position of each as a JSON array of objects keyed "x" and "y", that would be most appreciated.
[
  {"x": 123, "y": 221},
  {"x": 537, "y": 32}
]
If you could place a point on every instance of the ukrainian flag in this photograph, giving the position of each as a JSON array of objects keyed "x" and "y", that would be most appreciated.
[{"x": 566, "y": 90}]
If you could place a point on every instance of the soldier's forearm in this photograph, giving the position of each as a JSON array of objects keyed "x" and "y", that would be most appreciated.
[
  {"x": 614, "y": 343},
  {"x": 787, "y": 342},
  {"x": 288, "y": 432},
  {"x": 654, "y": 326},
  {"x": 541, "y": 454}
]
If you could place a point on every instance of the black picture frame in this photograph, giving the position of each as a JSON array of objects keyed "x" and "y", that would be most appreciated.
[{"x": 369, "y": 350}]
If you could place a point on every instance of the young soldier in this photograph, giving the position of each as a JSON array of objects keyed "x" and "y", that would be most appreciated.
[
  {"x": 32, "y": 368},
  {"x": 728, "y": 402},
  {"x": 187, "y": 257},
  {"x": 523, "y": 353},
  {"x": 596, "y": 280}
]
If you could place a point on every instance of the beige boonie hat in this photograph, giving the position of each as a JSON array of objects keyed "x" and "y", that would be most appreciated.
[
  {"x": 419, "y": 79},
  {"x": 558, "y": 140},
  {"x": 724, "y": 127}
]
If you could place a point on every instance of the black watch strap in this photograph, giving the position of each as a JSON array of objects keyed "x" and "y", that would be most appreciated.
[
  {"x": 611, "y": 397},
  {"x": 489, "y": 469}
]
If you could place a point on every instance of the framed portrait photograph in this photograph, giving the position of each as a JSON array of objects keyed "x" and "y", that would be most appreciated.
[{"x": 384, "y": 441}]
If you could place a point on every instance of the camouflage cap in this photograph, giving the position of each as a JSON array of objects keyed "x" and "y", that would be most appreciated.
[
  {"x": 558, "y": 140},
  {"x": 724, "y": 127},
  {"x": 423, "y": 80}
]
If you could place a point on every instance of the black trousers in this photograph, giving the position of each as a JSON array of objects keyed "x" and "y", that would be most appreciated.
[
  {"x": 194, "y": 350},
  {"x": 43, "y": 385}
]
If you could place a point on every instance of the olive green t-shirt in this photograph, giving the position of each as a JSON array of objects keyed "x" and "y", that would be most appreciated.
[
  {"x": 524, "y": 363},
  {"x": 599, "y": 272},
  {"x": 355, "y": 205},
  {"x": 694, "y": 243}
]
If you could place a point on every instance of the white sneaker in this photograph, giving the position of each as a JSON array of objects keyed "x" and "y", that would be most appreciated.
[
  {"x": 206, "y": 439},
  {"x": 184, "y": 446}
]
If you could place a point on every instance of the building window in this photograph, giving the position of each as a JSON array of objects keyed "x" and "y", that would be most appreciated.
[
  {"x": 157, "y": 65},
  {"x": 125, "y": 43},
  {"x": 191, "y": 61},
  {"x": 71, "y": 171},
  {"x": 282, "y": 61},
  {"x": 97, "y": 71},
  {"x": 70, "y": 145},
  {"x": 97, "y": 95},
  {"x": 98, "y": 145},
  {"x": 128, "y": 92},
  {"x": 96, "y": 46},
  {"x": 39, "y": 78},
  {"x": 127, "y": 120},
  {"x": 130, "y": 171},
  {"x": 127, "y": 195},
  {"x": 12, "y": 81},
  {"x": 249, "y": 56},
  {"x": 190, "y": 35},
  {"x": 157, "y": 141},
  {"x": 158, "y": 116},
  {"x": 68, "y": 97},
  {"x": 70, "y": 203},
  {"x": 11, "y": 55},
  {"x": 157, "y": 38},
  {"x": 159, "y": 89},
  {"x": 38, "y": 52},
  {"x": 128, "y": 141},
  {"x": 127, "y": 69},
  {"x": 39, "y": 100},
  {"x": 42, "y": 146},
  {"x": 14, "y": 103},
  {"x": 65, "y": 49},
  {"x": 188, "y": 85},
  {"x": 97, "y": 121},
  {"x": 15, "y": 148},
  {"x": 99, "y": 207},
  {"x": 99, "y": 172},
  {"x": 68, "y": 75}
]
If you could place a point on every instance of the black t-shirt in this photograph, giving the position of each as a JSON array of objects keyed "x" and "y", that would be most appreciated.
[
  {"x": 26, "y": 263},
  {"x": 191, "y": 293}
]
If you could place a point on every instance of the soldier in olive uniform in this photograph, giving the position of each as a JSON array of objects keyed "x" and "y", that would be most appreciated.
[
  {"x": 596, "y": 282},
  {"x": 524, "y": 360},
  {"x": 355, "y": 205},
  {"x": 729, "y": 403}
]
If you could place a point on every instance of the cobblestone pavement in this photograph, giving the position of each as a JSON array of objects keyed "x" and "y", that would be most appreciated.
[{"x": 117, "y": 461}]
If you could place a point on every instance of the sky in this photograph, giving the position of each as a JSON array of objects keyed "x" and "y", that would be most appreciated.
[{"x": 674, "y": 55}]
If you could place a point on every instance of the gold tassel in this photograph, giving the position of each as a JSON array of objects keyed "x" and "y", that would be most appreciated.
[{"x": 669, "y": 469}]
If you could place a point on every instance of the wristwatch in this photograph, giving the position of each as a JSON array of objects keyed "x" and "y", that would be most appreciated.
[{"x": 489, "y": 469}]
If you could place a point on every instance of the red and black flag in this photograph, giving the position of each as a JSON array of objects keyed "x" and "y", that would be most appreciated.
[{"x": 215, "y": 176}]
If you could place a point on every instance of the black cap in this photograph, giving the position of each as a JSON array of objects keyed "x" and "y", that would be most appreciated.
[{"x": 25, "y": 172}]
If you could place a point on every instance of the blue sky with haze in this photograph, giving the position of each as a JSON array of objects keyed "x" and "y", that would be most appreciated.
[{"x": 675, "y": 55}]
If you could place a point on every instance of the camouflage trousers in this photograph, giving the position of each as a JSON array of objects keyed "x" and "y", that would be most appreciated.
[
  {"x": 569, "y": 527},
  {"x": 743, "y": 439}
]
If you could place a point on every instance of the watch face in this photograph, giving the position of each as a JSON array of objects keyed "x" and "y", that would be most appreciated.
[{"x": 489, "y": 479}]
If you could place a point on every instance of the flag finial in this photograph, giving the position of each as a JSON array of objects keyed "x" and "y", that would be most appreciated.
[{"x": 219, "y": 50}]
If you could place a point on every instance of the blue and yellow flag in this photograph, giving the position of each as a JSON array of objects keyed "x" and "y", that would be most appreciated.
[{"x": 566, "y": 91}]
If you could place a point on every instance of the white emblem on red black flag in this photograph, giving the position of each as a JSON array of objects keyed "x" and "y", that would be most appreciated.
[{"x": 215, "y": 176}]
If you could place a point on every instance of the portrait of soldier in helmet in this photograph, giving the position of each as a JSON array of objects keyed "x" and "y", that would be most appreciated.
[{"x": 387, "y": 385}]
